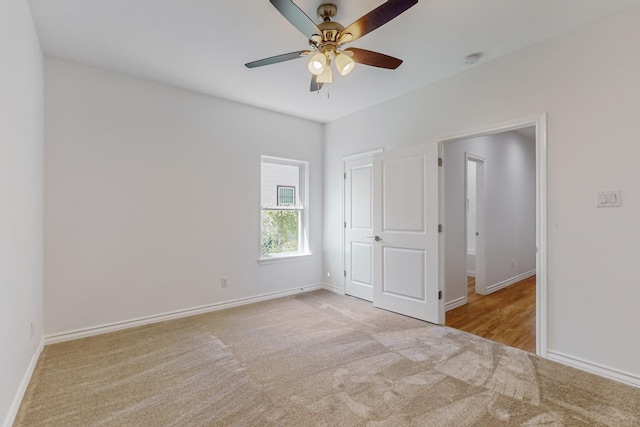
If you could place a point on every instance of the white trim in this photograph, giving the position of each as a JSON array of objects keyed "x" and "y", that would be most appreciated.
[
  {"x": 275, "y": 259},
  {"x": 595, "y": 368},
  {"x": 332, "y": 288},
  {"x": 360, "y": 155},
  {"x": 283, "y": 208},
  {"x": 458, "y": 302},
  {"x": 540, "y": 122},
  {"x": 111, "y": 327},
  {"x": 489, "y": 130},
  {"x": 541, "y": 235},
  {"x": 282, "y": 160},
  {"x": 17, "y": 400},
  {"x": 515, "y": 279}
]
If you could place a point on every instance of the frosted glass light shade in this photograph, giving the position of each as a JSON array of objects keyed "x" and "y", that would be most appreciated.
[
  {"x": 318, "y": 63},
  {"x": 344, "y": 64}
]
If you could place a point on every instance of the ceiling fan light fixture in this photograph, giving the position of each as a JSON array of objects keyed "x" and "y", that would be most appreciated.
[
  {"x": 318, "y": 63},
  {"x": 326, "y": 76},
  {"x": 344, "y": 64},
  {"x": 326, "y": 39}
]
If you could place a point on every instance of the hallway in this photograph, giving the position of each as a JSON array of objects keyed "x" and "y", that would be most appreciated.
[{"x": 507, "y": 316}]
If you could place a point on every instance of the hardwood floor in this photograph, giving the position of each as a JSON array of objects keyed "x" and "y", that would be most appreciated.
[{"x": 507, "y": 316}]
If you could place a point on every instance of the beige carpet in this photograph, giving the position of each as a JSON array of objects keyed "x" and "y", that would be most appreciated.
[{"x": 317, "y": 359}]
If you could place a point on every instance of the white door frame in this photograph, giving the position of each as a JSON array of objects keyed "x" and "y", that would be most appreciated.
[
  {"x": 540, "y": 123},
  {"x": 481, "y": 284},
  {"x": 345, "y": 159}
]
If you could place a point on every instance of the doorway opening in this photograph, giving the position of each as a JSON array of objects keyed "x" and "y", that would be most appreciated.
[
  {"x": 474, "y": 192},
  {"x": 493, "y": 198}
]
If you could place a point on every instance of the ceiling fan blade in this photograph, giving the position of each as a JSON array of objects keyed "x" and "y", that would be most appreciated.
[
  {"x": 374, "y": 59},
  {"x": 297, "y": 17},
  {"x": 315, "y": 86},
  {"x": 276, "y": 59},
  {"x": 378, "y": 17}
]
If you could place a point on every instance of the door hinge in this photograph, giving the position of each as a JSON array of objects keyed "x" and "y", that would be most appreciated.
[
  {"x": 345, "y": 273},
  {"x": 345, "y": 175},
  {"x": 439, "y": 295},
  {"x": 439, "y": 161},
  {"x": 439, "y": 228},
  {"x": 345, "y": 224}
]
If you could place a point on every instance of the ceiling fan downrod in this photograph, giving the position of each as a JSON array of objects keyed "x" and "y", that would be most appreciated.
[{"x": 327, "y": 11}]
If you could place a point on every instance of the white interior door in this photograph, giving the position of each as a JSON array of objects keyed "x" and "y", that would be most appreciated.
[
  {"x": 405, "y": 223},
  {"x": 358, "y": 226},
  {"x": 478, "y": 235}
]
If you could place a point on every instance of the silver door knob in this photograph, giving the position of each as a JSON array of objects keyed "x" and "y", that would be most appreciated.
[{"x": 376, "y": 238}]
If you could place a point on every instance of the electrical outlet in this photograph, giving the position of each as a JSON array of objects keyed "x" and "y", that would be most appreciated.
[
  {"x": 224, "y": 282},
  {"x": 512, "y": 263}
]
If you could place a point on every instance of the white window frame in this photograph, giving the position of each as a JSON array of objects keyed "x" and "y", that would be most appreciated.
[{"x": 303, "y": 225}]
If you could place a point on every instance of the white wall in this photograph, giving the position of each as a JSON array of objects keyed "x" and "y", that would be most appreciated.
[
  {"x": 510, "y": 209},
  {"x": 588, "y": 83},
  {"x": 153, "y": 193},
  {"x": 21, "y": 194}
]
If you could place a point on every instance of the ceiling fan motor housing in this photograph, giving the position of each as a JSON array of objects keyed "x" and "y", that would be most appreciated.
[{"x": 330, "y": 31}]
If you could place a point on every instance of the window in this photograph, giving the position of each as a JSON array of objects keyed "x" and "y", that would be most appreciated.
[
  {"x": 283, "y": 216},
  {"x": 286, "y": 195}
]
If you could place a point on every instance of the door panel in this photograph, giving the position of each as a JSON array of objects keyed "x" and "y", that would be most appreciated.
[
  {"x": 405, "y": 219},
  {"x": 361, "y": 254},
  {"x": 403, "y": 195},
  {"x": 358, "y": 227},
  {"x": 403, "y": 272},
  {"x": 361, "y": 197}
]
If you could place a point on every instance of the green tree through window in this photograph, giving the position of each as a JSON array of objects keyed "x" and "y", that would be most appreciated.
[{"x": 279, "y": 231}]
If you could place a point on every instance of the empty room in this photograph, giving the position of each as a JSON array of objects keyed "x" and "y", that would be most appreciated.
[{"x": 277, "y": 212}]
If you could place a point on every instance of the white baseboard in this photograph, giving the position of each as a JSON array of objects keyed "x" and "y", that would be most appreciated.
[
  {"x": 334, "y": 289},
  {"x": 471, "y": 273},
  {"x": 17, "y": 400},
  {"x": 501, "y": 285},
  {"x": 594, "y": 368},
  {"x": 458, "y": 302},
  {"x": 111, "y": 327}
]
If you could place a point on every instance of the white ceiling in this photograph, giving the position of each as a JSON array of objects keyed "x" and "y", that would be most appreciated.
[{"x": 202, "y": 45}]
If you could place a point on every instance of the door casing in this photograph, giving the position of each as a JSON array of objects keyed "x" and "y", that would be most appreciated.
[{"x": 540, "y": 123}]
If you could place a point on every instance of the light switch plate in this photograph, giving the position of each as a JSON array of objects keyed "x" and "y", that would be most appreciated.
[{"x": 608, "y": 199}]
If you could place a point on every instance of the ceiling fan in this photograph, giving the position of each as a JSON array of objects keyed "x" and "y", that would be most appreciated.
[{"x": 327, "y": 38}]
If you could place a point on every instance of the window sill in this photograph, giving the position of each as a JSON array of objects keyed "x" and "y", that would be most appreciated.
[{"x": 283, "y": 258}]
